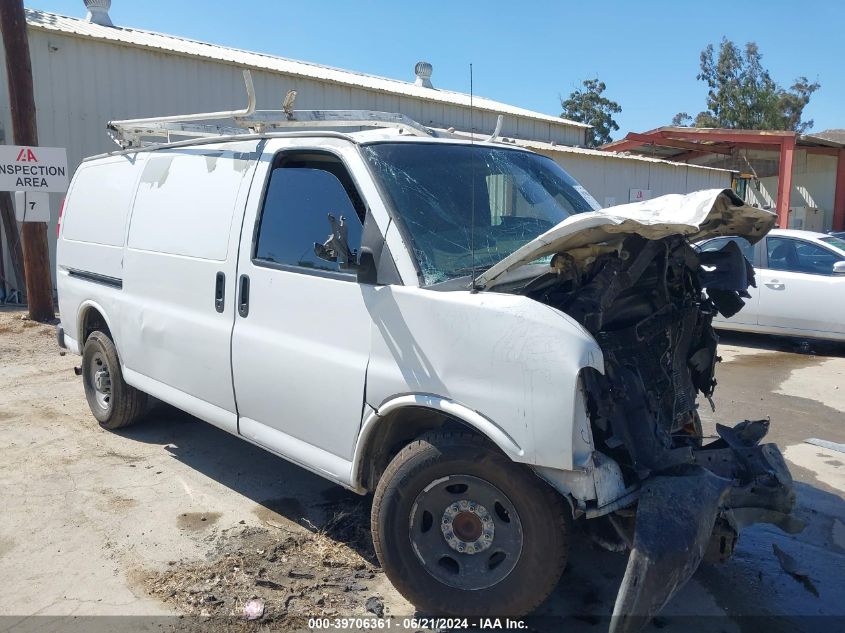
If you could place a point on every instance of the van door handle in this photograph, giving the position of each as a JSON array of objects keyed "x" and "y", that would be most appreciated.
[
  {"x": 774, "y": 284},
  {"x": 220, "y": 292},
  {"x": 243, "y": 296}
]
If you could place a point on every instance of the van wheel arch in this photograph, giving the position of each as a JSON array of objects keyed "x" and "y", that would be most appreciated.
[
  {"x": 92, "y": 320},
  {"x": 396, "y": 430}
]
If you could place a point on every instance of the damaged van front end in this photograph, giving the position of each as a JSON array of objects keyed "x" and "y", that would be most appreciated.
[{"x": 631, "y": 277}]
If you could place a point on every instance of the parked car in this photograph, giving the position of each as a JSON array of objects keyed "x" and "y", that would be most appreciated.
[
  {"x": 474, "y": 343},
  {"x": 839, "y": 234},
  {"x": 800, "y": 278}
]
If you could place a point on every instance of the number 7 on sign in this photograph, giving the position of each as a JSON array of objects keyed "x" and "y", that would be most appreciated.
[{"x": 32, "y": 206}]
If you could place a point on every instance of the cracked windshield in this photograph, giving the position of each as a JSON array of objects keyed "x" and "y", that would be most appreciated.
[{"x": 434, "y": 189}]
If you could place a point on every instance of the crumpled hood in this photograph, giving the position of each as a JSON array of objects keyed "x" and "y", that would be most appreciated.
[{"x": 698, "y": 216}]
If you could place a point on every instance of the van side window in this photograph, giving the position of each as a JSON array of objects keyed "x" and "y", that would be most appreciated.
[{"x": 302, "y": 192}]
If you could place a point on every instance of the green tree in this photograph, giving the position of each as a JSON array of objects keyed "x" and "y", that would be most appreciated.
[
  {"x": 742, "y": 94},
  {"x": 587, "y": 105}
]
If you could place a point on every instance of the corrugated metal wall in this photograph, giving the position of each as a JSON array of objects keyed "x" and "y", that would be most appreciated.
[
  {"x": 813, "y": 185},
  {"x": 82, "y": 83},
  {"x": 614, "y": 177}
]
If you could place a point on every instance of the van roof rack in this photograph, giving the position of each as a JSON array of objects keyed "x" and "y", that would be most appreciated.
[{"x": 132, "y": 132}]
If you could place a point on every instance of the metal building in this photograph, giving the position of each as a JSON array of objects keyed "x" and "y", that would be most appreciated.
[
  {"x": 612, "y": 178},
  {"x": 88, "y": 71},
  {"x": 800, "y": 176}
]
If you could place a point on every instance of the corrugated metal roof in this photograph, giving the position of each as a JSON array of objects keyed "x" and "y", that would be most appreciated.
[
  {"x": 833, "y": 137},
  {"x": 148, "y": 39},
  {"x": 585, "y": 151}
]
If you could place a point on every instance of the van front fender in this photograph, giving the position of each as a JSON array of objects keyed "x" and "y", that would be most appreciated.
[
  {"x": 512, "y": 365},
  {"x": 375, "y": 421}
]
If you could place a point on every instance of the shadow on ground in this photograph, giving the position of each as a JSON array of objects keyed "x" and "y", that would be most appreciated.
[
  {"x": 782, "y": 343},
  {"x": 281, "y": 490},
  {"x": 750, "y": 592}
]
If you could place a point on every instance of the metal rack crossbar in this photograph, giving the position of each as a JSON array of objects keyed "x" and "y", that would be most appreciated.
[{"x": 132, "y": 132}]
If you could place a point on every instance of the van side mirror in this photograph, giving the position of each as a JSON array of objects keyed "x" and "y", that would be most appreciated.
[
  {"x": 839, "y": 268},
  {"x": 366, "y": 270},
  {"x": 336, "y": 247}
]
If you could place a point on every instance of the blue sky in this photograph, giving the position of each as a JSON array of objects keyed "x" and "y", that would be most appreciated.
[{"x": 525, "y": 53}]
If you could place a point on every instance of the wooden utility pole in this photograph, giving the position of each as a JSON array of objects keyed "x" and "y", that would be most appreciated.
[
  {"x": 13, "y": 241},
  {"x": 9, "y": 226},
  {"x": 36, "y": 254}
]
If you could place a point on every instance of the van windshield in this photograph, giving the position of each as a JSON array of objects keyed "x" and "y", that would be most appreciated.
[{"x": 454, "y": 197}]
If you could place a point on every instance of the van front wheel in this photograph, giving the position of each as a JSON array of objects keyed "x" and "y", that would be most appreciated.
[
  {"x": 461, "y": 530},
  {"x": 114, "y": 403}
]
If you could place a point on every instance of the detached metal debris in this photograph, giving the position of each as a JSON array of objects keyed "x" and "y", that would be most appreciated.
[{"x": 834, "y": 446}]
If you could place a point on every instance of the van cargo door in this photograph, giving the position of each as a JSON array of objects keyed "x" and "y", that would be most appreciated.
[{"x": 179, "y": 276}]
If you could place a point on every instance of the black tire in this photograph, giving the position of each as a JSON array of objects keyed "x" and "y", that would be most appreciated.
[
  {"x": 114, "y": 403},
  {"x": 415, "y": 474}
]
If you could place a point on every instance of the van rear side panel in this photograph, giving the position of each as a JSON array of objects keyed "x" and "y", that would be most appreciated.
[
  {"x": 89, "y": 254},
  {"x": 95, "y": 214},
  {"x": 180, "y": 257}
]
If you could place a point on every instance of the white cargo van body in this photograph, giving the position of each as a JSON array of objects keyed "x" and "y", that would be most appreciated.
[
  {"x": 175, "y": 222},
  {"x": 441, "y": 348},
  {"x": 183, "y": 236},
  {"x": 183, "y": 204},
  {"x": 93, "y": 235}
]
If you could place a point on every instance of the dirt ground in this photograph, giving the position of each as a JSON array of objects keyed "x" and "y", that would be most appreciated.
[{"x": 175, "y": 517}]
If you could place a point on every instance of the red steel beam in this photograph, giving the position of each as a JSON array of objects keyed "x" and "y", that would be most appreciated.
[
  {"x": 768, "y": 147},
  {"x": 668, "y": 142},
  {"x": 623, "y": 145},
  {"x": 773, "y": 139},
  {"x": 787, "y": 153},
  {"x": 839, "y": 195},
  {"x": 768, "y": 137}
]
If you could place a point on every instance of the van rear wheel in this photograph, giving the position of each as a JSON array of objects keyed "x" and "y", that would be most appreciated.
[
  {"x": 461, "y": 530},
  {"x": 114, "y": 403}
]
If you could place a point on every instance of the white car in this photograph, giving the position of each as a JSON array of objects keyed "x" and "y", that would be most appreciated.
[
  {"x": 474, "y": 343},
  {"x": 800, "y": 278}
]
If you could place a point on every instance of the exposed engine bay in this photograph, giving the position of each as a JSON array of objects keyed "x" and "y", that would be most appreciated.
[{"x": 649, "y": 304}]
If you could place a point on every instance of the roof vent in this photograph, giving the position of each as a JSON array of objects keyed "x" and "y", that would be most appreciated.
[
  {"x": 423, "y": 72},
  {"x": 98, "y": 12}
]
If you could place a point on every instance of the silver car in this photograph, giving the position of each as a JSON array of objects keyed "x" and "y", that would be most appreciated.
[{"x": 800, "y": 285}]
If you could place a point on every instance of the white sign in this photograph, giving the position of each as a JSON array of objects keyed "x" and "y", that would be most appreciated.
[
  {"x": 638, "y": 195},
  {"x": 25, "y": 168},
  {"x": 609, "y": 201},
  {"x": 32, "y": 206}
]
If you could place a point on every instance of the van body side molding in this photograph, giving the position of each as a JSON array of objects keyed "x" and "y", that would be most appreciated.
[{"x": 114, "y": 282}]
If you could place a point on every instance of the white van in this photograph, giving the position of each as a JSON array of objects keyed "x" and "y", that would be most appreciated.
[{"x": 474, "y": 343}]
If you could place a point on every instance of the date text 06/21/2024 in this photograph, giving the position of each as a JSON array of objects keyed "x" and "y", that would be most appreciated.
[{"x": 415, "y": 624}]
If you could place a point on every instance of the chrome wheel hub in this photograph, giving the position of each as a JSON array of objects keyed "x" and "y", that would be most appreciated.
[
  {"x": 467, "y": 527},
  {"x": 101, "y": 381},
  {"x": 465, "y": 532}
]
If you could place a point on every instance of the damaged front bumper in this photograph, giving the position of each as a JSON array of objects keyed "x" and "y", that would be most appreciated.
[
  {"x": 696, "y": 509},
  {"x": 632, "y": 278}
]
